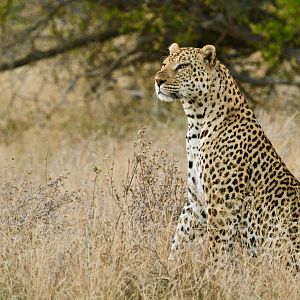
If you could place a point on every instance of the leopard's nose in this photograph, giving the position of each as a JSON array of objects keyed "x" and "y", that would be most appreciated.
[{"x": 159, "y": 82}]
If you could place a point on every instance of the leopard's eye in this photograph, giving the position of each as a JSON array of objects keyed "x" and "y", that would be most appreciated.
[
  {"x": 163, "y": 64},
  {"x": 182, "y": 66}
]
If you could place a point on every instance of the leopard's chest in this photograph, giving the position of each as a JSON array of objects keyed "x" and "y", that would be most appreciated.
[{"x": 195, "y": 168}]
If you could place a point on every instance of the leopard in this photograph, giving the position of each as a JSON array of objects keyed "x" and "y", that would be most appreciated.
[{"x": 239, "y": 191}]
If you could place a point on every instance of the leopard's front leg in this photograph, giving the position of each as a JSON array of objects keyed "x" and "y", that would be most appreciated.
[{"x": 191, "y": 217}]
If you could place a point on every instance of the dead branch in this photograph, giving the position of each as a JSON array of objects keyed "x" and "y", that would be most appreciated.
[
  {"x": 243, "y": 77},
  {"x": 38, "y": 55}
]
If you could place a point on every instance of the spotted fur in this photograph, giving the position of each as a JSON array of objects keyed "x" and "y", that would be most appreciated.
[{"x": 239, "y": 189}]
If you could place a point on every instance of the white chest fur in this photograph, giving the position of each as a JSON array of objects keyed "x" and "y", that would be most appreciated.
[{"x": 195, "y": 184}]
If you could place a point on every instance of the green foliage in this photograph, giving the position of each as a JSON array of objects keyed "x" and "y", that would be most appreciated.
[
  {"x": 276, "y": 22},
  {"x": 281, "y": 29}
]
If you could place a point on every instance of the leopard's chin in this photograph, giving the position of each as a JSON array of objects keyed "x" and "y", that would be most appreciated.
[{"x": 165, "y": 98}]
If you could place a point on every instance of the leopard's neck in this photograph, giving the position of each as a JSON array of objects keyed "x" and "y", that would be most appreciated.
[{"x": 206, "y": 112}]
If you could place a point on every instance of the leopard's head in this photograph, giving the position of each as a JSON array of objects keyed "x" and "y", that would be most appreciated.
[{"x": 186, "y": 73}]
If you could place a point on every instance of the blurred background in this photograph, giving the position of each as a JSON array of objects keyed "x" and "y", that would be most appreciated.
[{"x": 79, "y": 74}]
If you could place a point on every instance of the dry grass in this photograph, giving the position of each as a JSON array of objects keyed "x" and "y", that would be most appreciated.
[{"x": 107, "y": 236}]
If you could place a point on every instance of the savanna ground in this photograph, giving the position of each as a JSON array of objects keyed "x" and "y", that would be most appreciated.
[{"x": 76, "y": 174}]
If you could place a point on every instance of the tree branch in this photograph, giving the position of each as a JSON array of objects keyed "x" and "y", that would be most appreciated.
[
  {"x": 243, "y": 77},
  {"x": 60, "y": 49},
  {"x": 242, "y": 35}
]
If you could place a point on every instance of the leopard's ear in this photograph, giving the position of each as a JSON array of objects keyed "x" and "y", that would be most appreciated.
[
  {"x": 174, "y": 48},
  {"x": 209, "y": 55}
]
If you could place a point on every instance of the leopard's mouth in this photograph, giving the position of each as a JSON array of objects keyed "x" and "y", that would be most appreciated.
[
  {"x": 164, "y": 97},
  {"x": 169, "y": 97}
]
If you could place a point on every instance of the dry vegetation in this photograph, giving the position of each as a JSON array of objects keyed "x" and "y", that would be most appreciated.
[{"x": 86, "y": 212}]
